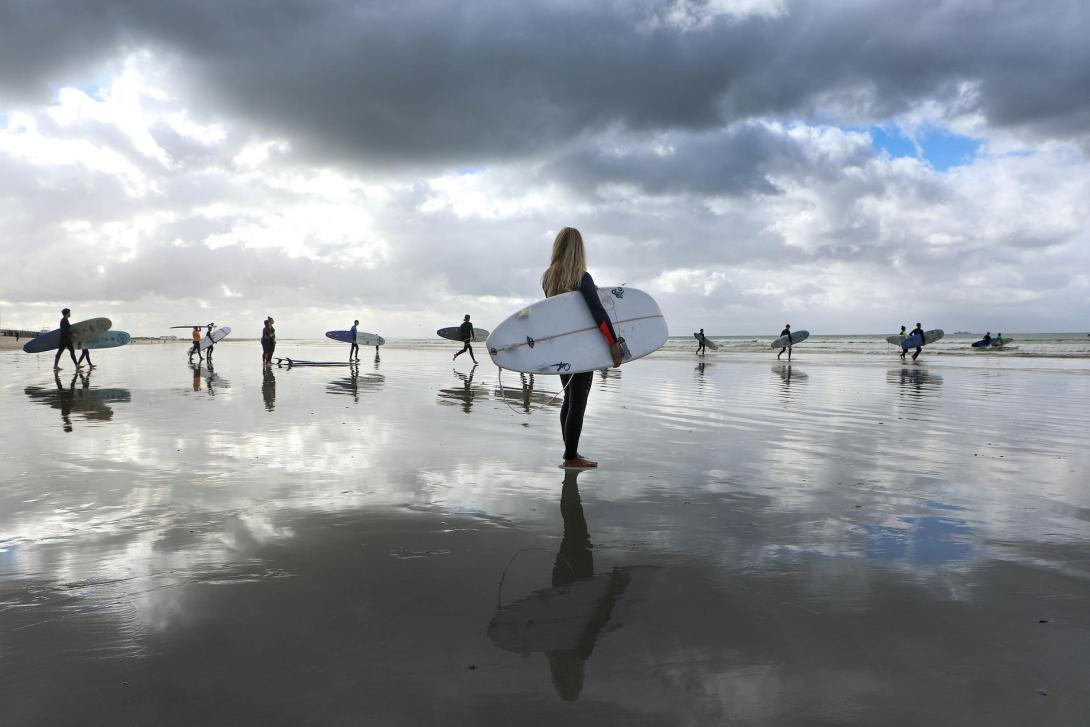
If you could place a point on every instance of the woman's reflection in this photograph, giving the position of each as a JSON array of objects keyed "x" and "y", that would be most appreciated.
[
  {"x": 268, "y": 388},
  {"x": 564, "y": 621}
]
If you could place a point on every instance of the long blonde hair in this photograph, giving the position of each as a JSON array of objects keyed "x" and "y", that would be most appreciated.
[{"x": 569, "y": 262}]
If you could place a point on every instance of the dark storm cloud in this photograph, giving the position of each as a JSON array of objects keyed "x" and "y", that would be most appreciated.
[
  {"x": 448, "y": 83},
  {"x": 737, "y": 161}
]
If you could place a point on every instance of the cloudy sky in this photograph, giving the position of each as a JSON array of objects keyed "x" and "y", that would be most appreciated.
[{"x": 847, "y": 166}]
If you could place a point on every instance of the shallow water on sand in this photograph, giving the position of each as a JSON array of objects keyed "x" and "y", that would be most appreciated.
[{"x": 833, "y": 541}]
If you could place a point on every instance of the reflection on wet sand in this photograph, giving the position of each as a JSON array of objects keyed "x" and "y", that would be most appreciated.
[
  {"x": 206, "y": 376},
  {"x": 91, "y": 404},
  {"x": 526, "y": 396},
  {"x": 915, "y": 381},
  {"x": 352, "y": 384},
  {"x": 465, "y": 394},
  {"x": 268, "y": 388},
  {"x": 565, "y": 621}
]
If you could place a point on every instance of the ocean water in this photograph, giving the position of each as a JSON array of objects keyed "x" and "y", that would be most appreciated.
[{"x": 843, "y": 540}]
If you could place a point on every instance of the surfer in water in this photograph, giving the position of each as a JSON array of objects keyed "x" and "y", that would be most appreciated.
[
  {"x": 701, "y": 344},
  {"x": 785, "y": 332},
  {"x": 354, "y": 352},
  {"x": 568, "y": 272},
  {"x": 65, "y": 342},
  {"x": 268, "y": 341},
  {"x": 466, "y": 332},
  {"x": 917, "y": 331}
]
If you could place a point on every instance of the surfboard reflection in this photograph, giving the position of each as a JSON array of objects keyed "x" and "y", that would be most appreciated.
[
  {"x": 78, "y": 398},
  {"x": 915, "y": 381},
  {"x": 352, "y": 384},
  {"x": 206, "y": 377},
  {"x": 565, "y": 621},
  {"x": 466, "y": 394},
  {"x": 525, "y": 395}
]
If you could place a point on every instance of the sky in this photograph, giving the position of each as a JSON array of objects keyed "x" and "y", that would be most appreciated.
[{"x": 845, "y": 166}]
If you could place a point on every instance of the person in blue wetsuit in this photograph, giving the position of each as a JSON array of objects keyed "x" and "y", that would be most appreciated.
[
  {"x": 354, "y": 352},
  {"x": 465, "y": 332},
  {"x": 917, "y": 331},
  {"x": 567, "y": 272},
  {"x": 65, "y": 342}
]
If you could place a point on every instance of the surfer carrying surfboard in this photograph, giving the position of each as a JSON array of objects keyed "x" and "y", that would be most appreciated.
[
  {"x": 568, "y": 272},
  {"x": 65, "y": 341},
  {"x": 211, "y": 327},
  {"x": 918, "y": 331},
  {"x": 196, "y": 345},
  {"x": 354, "y": 352},
  {"x": 466, "y": 331},
  {"x": 701, "y": 343},
  {"x": 787, "y": 346}
]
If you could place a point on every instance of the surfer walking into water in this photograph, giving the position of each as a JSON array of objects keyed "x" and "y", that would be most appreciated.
[
  {"x": 701, "y": 343},
  {"x": 354, "y": 352},
  {"x": 268, "y": 342},
  {"x": 918, "y": 331},
  {"x": 568, "y": 272},
  {"x": 466, "y": 332},
  {"x": 785, "y": 332},
  {"x": 65, "y": 341},
  {"x": 904, "y": 335}
]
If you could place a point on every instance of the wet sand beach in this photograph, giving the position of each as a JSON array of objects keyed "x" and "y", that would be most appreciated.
[{"x": 841, "y": 540}]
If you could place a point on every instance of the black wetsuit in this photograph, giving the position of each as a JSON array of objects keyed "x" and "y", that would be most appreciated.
[
  {"x": 917, "y": 331},
  {"x": 466, "y": 332},
  {"x": 577, "y": 386},
  {"x": 701, "y": 344},
  {"x": 354, "y": 351},
  {"x": 785, "y": 332},
  {"x": 65, "y": 342},
  {"x": 268, "y": 342}
]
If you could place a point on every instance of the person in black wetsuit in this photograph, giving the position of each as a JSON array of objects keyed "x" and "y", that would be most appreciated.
[
  {"x": 85, "y": 355},
  {"x": 785, "y": 332},
  {"x": 65, "y": 342},
  {"x": 466, "y": 332},
  {"x": 208, "y": 353},
  {"x": 701, "y": 343},
  {"x": 917, "y": 331},
  {"x": 988, "y": 339},
  {"x": 268, "y": 341},
  {"x": 567, "y": 272}
]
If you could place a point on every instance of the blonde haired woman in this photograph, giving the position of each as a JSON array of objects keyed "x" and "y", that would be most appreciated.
[{"x": 568, "y": 272}]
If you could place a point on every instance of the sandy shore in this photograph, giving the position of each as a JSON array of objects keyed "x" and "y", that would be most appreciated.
[{"x": 832, "y": 542}]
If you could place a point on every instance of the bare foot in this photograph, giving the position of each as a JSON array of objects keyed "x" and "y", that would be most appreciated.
[{"x": 579, "y": 463}]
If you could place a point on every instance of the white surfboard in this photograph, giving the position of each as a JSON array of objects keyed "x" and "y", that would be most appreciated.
[
  {"x": 558, "y": 335},
  {"x": 708, "y": 343},
  {"x": 215, "y": 337},
  {"x": 796, "y": 337}
]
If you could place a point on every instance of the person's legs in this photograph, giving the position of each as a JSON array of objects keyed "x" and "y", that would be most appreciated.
[
  {"x": 575, "y": 405},
  {"x": 57, "y": 358},
  {"x": 919, "y": 350},
  {"x": 471, "y": 356},
  {"x": 354, "y": 352},
  {"x": 780, "y": 353},
  {"x": 72, "y": 353},
  {"x": 465, "y": 347}
]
